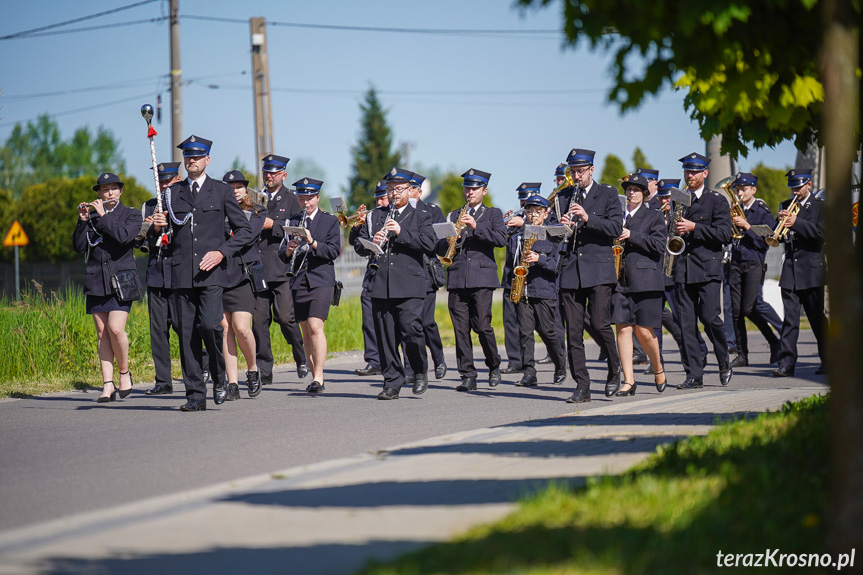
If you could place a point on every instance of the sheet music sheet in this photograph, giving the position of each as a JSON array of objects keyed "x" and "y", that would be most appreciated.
[
  {"x": 338, "y": 204},
  {"x": 444, "y": 230},
  {"x": 294, "y": 231},
  {"x": 371, "y": 246},
  {"x": 762, "y": 231}
]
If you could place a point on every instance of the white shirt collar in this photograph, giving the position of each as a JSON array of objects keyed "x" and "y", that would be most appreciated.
[
  {"x": 697, "y": 193},
  {"x": 803, "y": 202},
  {"x": 632, "y": 213},
  {"x": 311, "y": 216},
  {"x": 200, "y": 181}
]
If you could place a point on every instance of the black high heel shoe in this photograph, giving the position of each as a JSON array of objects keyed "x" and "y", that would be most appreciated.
[
  {"x": 109, "y": 398},
  {"x": 630, "y": 391},
  {"x": 125, "y": 392},
  {"x": 660, "y": 387}
]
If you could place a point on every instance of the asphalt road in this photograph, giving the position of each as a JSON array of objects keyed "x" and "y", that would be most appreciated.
[{"x": 63, "y": 454}]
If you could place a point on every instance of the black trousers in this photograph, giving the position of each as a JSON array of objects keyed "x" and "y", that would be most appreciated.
[
  {"x": 703, "y": 299},
  {"x": 595, "y": 302},
  {"x": 370, "y": 341},
  {"x": 745, "y": 279},
  {"x": 470, "y": 309},
  {"x": 812, "y": 302},
  {"x": 538, "y": 314},
  {"x": 399, "y": 321},
  {"x": 511, "y": 332},
  {"x": 278, "y": 302},
  {"x": 432, "y": 333},
  {"x": 674, "y": 329},
  {"x": 160, "y": 333},
  {"x": 197, "y": 313}
]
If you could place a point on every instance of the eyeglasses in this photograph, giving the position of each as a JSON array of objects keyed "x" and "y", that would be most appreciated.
[{"x": 399, "y": 189}]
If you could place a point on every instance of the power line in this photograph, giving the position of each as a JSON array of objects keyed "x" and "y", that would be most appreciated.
[
  {"x": 485, "y": 93},
  {"x": 76, "y": 110},
  {"x": 449, "y": 31},
  {"x": 75, "y": 20},
  {"x": 91, "y": 28}
]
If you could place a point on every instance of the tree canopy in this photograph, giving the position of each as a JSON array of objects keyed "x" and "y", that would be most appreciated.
[
  {"x": 373, "y": 154},
  {"x": 36, "y": 152},
  {"x": 749, "y": 69},
  {"x": 613, "y": 171}
]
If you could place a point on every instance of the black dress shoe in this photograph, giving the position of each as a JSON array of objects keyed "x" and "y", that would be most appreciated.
[
  {"x": 494, "y": 377},
  {"x": 692, "y": 383},
  {"x": 822, "y": 369},
  {"x": 543, "y": 361},
  {"x": 774, "y": 352},
  {"x": 369, "y": 369},
  {"x": 639, "y": 359},
  {"x": 267, "y": 379},
  {"x": 315, "y": 387},
  {"x": 629, "y": 391},
  {"x": 528, "y": 380},
  {"x": 389, "y": 393},
  {"x": 123, "y": 393},
  {"x": 108, "y": 398},
  {"x": 467, "y": 384},
  {"x": 612, "y": 385},
  {"x": 421, "y": 383},
  {"x": 253, "y": 382},
  {"x": 509, "y": 370},
  {"x": 660, "y": 387},
  {"x": 302, "y": 370},
  {"x": 740, "y": 361},
  {"x": 580, "y": 396},
  {"x": 559, "y": 376},
  {"x": 220, "y": 393},
  {"x": 233, "y": 392},
  {"x": 160, "y": 389},
  {"x": 440, "y": 370},
  {"x": 783, "y": 371},
  {"x": 194, "y": 405},
  {"x": 725, "y": 373}
]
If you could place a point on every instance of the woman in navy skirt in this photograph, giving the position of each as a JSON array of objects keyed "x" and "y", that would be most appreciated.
[
  {"x": 106, "y": 233},
  {"x": 637, "y": 302},
  {"x": 238, "y": 298}
]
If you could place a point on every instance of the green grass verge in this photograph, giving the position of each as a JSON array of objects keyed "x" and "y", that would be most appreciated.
[
  {"x": 48, "y": 341},
  {"x": 745, "y": 487}
]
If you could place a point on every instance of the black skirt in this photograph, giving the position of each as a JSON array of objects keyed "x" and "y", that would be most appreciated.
[
  {"x": 106, "y": 303},
  {"x": 313, "y": 302},
  {"x": 238, "y": 298},
  {"x": 639, "y": 308}
]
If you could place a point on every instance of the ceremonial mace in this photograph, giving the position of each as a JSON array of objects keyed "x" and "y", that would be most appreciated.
[{"x": 147, "y": 113}]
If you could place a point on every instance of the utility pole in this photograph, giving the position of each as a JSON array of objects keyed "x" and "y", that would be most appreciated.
[
  {"x": 261, "y": 88},
  {"x": 176, "y": 73}
]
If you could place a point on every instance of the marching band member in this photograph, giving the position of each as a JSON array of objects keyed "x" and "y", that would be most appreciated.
[
  {"x": 514, "y": 220},
  {"x": 197, "y": 208},
  {"x": 587, "y": 278},
  {"x": 314, "y": 275},
  {"x": 538, "y": 293},
  {"x": 706, "y": 226},
  {"x": 277, "y": 301},
  {"x": 159, "y": 285},
  {"x": 472, "y": 278},
  {"x": 434, "y": 269},
  {"x": 107, "y": 235},
  {"x": 370, "y": 346},
  {"x": 398, "y": 286},
  {"x": 238, "y": 297},
  {"x": 637, "y": 303},
  {"x": 803, "y": 270},
  {"x": 652, "y": 177},
  {"x": 747, "y": 269}
]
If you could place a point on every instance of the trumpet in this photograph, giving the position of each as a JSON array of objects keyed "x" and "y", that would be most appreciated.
[
  {"x": 354, "y": 220},
  {"x": 736, "y": 208},
  {"x": 781, "y": 230},
  {"x": 459, "y": 226}
]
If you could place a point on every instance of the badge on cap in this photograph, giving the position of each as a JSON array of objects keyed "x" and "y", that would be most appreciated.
[
  {"x": 305, "y": 180},
  {"x": 522, "y": 186},
  {"x": 470, "y": 172},
  {"x": 192, "y": 139},
  {"x": 161, "y": 167},
  {"x": 231, "y": 177},
  {"x": 393, "y": 172},
  {"x": 105, "y": 177},
  {"x": 269, "y": 158},
  {"x": 793, "y": 173},
  {"x": 693, "y": 156}
]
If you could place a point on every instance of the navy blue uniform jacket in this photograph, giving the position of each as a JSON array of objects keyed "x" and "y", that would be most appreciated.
[
  {"x": 752, "y": 247},
  {"x": 204, "y": 232},
  {"x": 158, "y": 263},
  {"x": 804, "y": 265},
  {"x": 400, "y": 274},
  {"x": 280, "y": 208},
  {"x": 319, "y": 269},
  {"x": 643, "y": 252},
  {"x": 701, "y": 261},
  {"x": 115, "y": 252},
  {"x": 249, "y": 253},
  {"x": 591, "y": 262},
  {"x": 473, "y": 265},
  {"x": 541, "y": 281}
]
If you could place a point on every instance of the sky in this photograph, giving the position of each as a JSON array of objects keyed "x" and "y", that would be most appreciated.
[{"x": 509, "y": 104}]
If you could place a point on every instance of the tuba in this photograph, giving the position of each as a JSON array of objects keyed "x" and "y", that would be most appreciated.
[
  {"x": 736, "y": 209},
  {"x": 781, "y": 231},
  {"x": 459, "y": 226}
]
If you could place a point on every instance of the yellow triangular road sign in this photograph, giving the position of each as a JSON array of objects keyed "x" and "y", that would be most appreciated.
[{"x": 16, "y": 236}]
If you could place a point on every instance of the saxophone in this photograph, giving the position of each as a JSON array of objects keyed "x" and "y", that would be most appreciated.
[
  {"x": 674, "y": 245},
  {"x": 520, "y": 271},
  {"x": 459, "y": 226},
  {"x": 617, "y": 250}
]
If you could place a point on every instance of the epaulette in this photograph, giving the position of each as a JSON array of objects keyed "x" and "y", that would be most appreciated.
[
  {"x": 324, "y": 211},
  {"x": 715, "y": 193},
  {"x": 760, "y": 201},
  {"x": 608, "y": 187}
]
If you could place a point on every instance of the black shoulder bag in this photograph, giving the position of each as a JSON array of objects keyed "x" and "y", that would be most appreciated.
[{"x": 125, "y": 284}]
